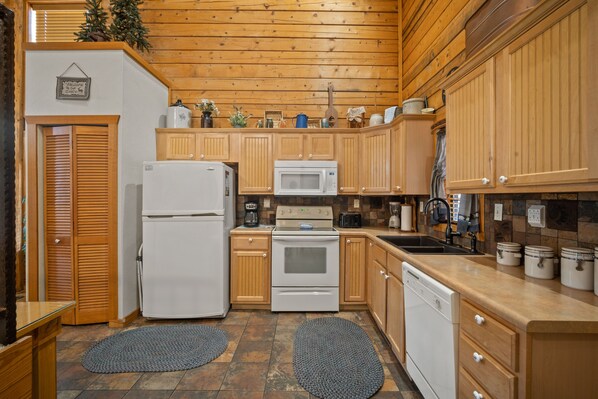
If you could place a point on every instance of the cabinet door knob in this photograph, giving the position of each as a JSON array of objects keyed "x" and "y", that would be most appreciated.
[
  {"x": 348, "y": 241},
  {"x": 362, "y": 188},
  {"x": 202, "y": 156},
  {"x": 310, "y": 156},
  {"x": 477, "y": 357},
  {"x": 398, "y": 188},
  {"x": 57, "y": 241},
  {"x": 190, "y": 155},
  {"x": 386, "y": 276},
  {"x": 477, "y": 395},
  {"x": 251, "y": 240},
  {"x": 342, "y": 188},
  {"x": 371, "y": 245},
  {"x": 300, "y": 156},
  {"x": 269, "y": 188},
  {"x": 381, "y": 272},
  {"x": 503, "y": 179},
  {"x": 485, "y": 181},
  {"x": 264, "y": 255},
  {"x": 479, "y": 319}
]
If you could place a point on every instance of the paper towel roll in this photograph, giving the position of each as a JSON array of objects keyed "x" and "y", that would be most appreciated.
[{"x": 405, "y": 217}]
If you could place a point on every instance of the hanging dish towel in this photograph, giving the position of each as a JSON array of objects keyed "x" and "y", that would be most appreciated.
[
  {"x": 469, "y": 214},
  {"x": 437, "y": 180}
]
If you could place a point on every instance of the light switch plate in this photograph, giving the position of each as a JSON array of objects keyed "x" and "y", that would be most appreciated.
[
  {"x": 536, "y": 216},
  {"x": 356, "y": 203},
  {"x": 266, "y": 203},
  {"x": 421, "y": 206},
  {"x": 498, "y": 212}
]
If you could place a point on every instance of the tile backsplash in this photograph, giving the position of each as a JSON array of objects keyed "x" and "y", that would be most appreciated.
[{"x": 571, "y": 218}]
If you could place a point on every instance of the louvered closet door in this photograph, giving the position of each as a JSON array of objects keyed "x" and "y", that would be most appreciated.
[
  {"x": 57, "y": 216},
  {"x": 92, "y": 216}
]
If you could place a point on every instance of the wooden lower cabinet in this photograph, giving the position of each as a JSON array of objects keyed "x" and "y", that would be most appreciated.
[
  {"x": 385, "y": 297},
  {"x": 353, "y": 270},
  {"x": 250, "y": 274},
  {"x": 395, "y": 316}
]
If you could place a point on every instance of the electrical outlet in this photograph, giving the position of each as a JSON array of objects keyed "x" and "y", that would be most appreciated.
[
  {"x": 536, "y": 216},
  {"x": 498, "y": 212},
  {"x": 421, "y": 206},
  {"x": 266, "y": 203},
  {"x": 356, "y": 203}
]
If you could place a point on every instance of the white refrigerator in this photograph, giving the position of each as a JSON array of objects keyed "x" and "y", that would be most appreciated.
[{"x": 188, "y": 212}]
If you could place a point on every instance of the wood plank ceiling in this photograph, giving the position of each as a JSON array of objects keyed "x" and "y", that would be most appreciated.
[{"x": 277, "y": 56}]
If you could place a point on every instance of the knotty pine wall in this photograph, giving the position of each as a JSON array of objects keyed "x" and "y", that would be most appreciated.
[
  {"x": 433, "y": 36},
  {"x": 277, "y": 55}
]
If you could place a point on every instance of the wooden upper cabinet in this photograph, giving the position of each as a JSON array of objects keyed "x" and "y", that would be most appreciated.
[
  {"x": 304, "y": 146},
  {"x": 181, "y": 146},
  {"x": 289, "y": 146},
  {"x": 470, "y": 111},
  {"x": 213, "y": 146},
  {"x": 319, "y": 146},
  {"x": 375, "y": 170},
  {"x": 347, "y": 156},
  {"x": 546, "y": 138},
  {"x": 412, "y": 155},
  {"x": 256, "y": 166}
]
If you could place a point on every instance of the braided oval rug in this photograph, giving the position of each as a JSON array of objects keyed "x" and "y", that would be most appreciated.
[
  {"x": 334, "y": 358},
  {"x": 156, "y": 349}
]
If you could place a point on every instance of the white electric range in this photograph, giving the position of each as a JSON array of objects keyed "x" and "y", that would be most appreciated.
[{"x": 305, "y": 260}]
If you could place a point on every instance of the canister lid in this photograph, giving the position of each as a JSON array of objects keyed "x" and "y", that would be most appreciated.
[
  {"x": 179, "y": 103},
  {"x": 577, "y": 253},
  {"x": 413, "y": 100},
  {"x": 509, "y": 245},
  {"x": 539, "y": 250}
]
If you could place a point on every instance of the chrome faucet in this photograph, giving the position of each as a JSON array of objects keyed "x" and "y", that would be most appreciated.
[{"x": 449, "y": 234}]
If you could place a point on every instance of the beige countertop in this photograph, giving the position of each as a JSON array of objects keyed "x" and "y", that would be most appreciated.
[
  {"x": 533, "y": 305},
  {"x": 261, "y": 229}
]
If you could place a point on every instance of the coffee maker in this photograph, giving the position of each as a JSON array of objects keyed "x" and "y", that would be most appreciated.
[
  {"x": 395, "y": 210},
  {"x": 252, "y": 218}
]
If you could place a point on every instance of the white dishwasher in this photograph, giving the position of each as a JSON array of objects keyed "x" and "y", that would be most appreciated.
[{"x": 431, "y": 334}]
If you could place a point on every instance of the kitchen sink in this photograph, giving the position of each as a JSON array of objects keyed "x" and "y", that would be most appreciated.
[
  {"x": 411, "y": 241},
  {"x": 425, "y": 245}
]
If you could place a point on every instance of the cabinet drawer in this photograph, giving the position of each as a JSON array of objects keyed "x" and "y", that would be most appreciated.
[
  {"x": 495, "y": 379},
  {"x": 395, "y": 266},
  {"x": 250, "y": 242},
  {"x": 494, "y": 337},
  {"x": 468, "y": 386},
  {"x": 378, "y": 254}
]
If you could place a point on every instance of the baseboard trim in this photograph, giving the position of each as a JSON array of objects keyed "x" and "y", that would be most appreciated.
[
  {"x": 247, "y": 306},
  {"x": 122, "y": 323}
]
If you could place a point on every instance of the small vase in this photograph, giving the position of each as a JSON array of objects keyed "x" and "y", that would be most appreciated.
[
  {"x": 237, "y": 126},
  {"x": 206, "y": 119}
]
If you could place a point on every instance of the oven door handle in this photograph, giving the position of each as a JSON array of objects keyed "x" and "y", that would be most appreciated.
[{"x": 307, "y": 239}]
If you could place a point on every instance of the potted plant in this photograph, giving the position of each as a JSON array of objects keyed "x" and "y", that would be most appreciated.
[
  {"x": 207, "y": 107},
  {"x": 237, "y": 118}
]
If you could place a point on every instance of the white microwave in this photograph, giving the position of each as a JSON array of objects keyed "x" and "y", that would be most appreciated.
[{"x": 305, "y": 177}]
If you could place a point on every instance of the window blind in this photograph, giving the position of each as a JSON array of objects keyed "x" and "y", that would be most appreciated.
[{"x": 55, "y": 23}]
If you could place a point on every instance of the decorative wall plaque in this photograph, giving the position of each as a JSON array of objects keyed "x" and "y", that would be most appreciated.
[{"x": 72, "y": 88}]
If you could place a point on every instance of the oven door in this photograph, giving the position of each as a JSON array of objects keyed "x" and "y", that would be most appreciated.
[
  {"x": 304, "y": 261},
  {"x": 298, "y": 181}
]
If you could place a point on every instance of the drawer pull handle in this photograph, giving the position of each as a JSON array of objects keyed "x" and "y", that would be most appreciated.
[
  {"x": 477, "y": 357},
  {"x": 477, "y": 395},
  {"x": 479, "y": 320},
  {"x": 251, "y": 240}
]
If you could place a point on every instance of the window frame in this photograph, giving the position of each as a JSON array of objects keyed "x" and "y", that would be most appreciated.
[{"x": 30, "y": 5}]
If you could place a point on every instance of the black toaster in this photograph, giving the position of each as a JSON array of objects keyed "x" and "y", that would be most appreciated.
[{"x": 349, "y": 219}]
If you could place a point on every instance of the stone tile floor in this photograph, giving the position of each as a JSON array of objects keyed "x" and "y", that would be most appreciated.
[{"x": 256, "y": 364}]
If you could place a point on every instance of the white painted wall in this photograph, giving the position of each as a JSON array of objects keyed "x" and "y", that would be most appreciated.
[{"x": 119, "y": 86}]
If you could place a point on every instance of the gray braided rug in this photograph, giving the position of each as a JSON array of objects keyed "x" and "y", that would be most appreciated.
[
  {"x": 156, "y": 349},
  {"x": 334, "y": 358}
]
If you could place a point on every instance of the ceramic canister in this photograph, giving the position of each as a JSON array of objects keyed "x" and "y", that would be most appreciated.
[
  {"x": 596, "y": 271},
  {"x": 508, "y": 253},
  {"x": 539, "y": 262},
  {"x": 577, "y": 268}
]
